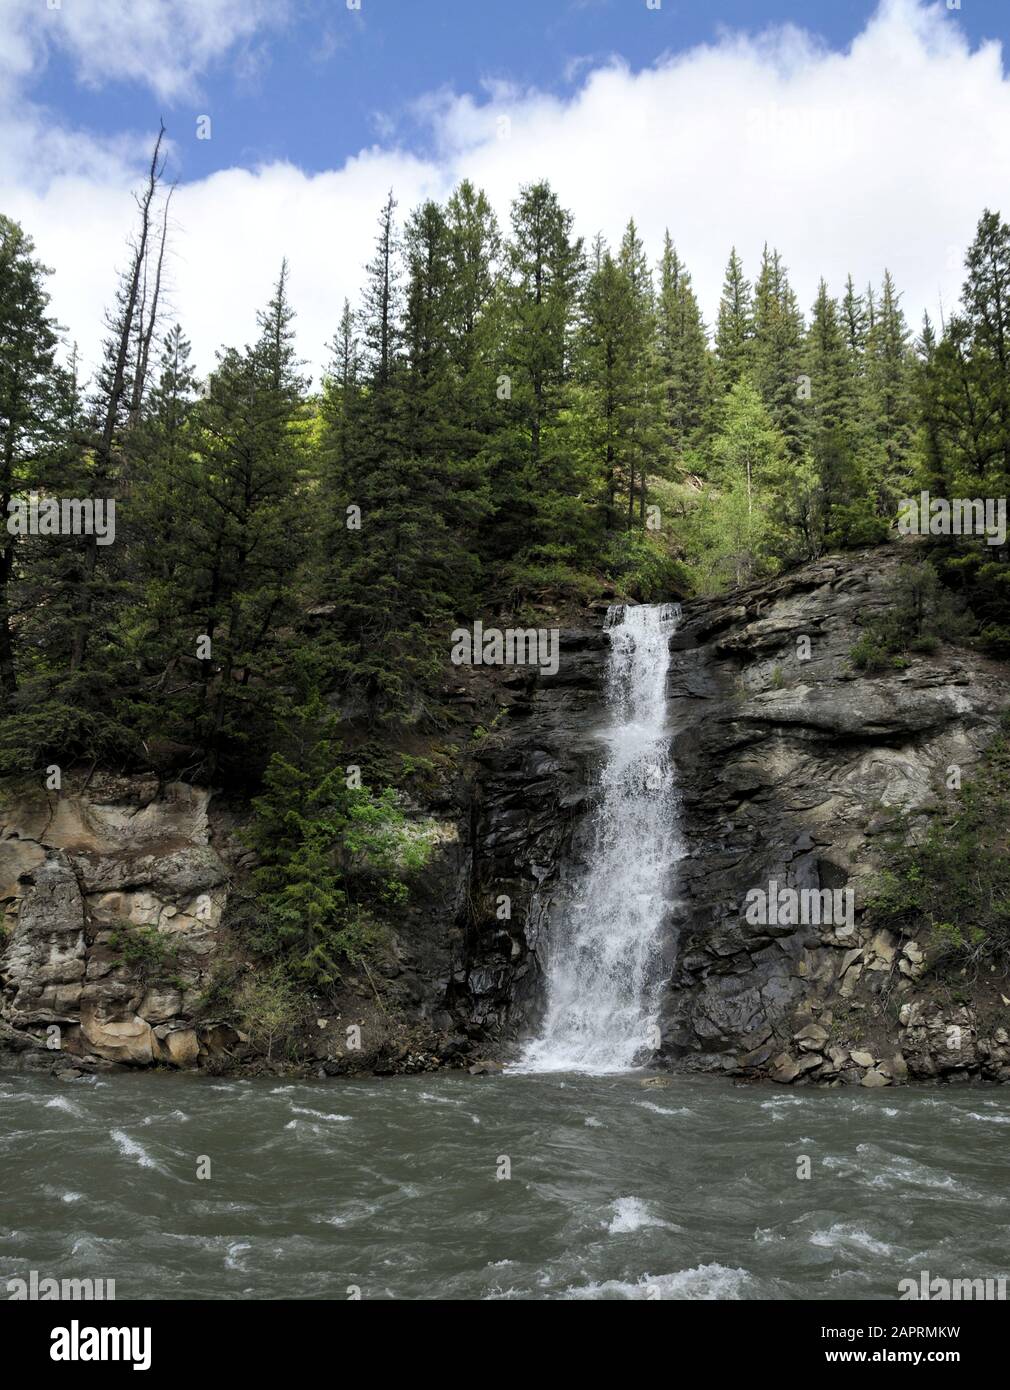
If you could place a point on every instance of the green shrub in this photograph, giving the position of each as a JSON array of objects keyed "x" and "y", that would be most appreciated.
[
  {"x": 145, "y": 949},
  {"x": 954, "y": 884},
  {"x": 869, "y": 654},
  {"x": 269, "y": 1007},
  {"x": 923, "y": 613},
  {"x": 332, "y": 856}
]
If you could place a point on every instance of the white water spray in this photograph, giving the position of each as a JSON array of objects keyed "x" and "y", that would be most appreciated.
[{"x": 604, "y": 963}]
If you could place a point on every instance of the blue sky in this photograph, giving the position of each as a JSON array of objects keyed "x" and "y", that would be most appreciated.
[
  {"x": 852, "y": 135},
  {"x": 326, "y": 81}
]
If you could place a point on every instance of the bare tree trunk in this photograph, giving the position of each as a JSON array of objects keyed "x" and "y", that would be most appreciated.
[
  {"x": 116, "y": 392},
  {"x": 146, "y": 334}
]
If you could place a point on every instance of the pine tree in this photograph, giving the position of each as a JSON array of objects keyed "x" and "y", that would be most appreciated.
[
  {"x": 381, "y": 308},
  {"x": 641, "y": 426},
  {"x": 474, "y": 252},
  {"x": 604, "y": 372},
  {"x": 534, "y": 484},
  {"x": 890, "y": 401},
  {"x": 410, "y": 466},
  {"x": 935, "y": 476},
  {"x": 687, "y": 374},
  {"x": 735, "y": 324},
  {"x": 854, "y": 320},
  {"x": 341, "y": 395},
  {"x": 846, "y": 494},
  {"x": 986, "y": 298},
  {"x": 28, "y": 338},
  {"x": 777, "y": 350},
  {"x": 243, "y": 541},
  {"x": 451, "y": 489},
  {"x": 169, "y": 488}
]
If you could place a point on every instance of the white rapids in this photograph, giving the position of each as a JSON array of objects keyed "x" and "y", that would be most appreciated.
[{"x": 604, "y": 950}]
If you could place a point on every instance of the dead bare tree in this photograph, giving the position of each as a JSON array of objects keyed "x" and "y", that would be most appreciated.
[
  {"x": 147, "y": 319},
  {"x": 119, "y": 388}
]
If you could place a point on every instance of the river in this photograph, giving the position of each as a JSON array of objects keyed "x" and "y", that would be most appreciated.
[{"x": 392, "y": 1188}]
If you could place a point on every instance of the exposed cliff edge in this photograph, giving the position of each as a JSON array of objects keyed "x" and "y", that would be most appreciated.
[
  {"x": 78, "y": 871},
  {"x": 794, "y": 771},
  {"x": 791, "y": 772},
  {"x": 118, "y": 892}
]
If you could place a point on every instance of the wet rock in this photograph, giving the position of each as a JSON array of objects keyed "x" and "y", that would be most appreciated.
[
  {"x": 784, "y": 1069},
  {"x": 809, "y": 1063},
  {"x": 875, "y": 1078},
  {"x": 454, "y": 1048},
  {"x": 129, "y": 1040},
  {"x": 181, "y": 1047}
]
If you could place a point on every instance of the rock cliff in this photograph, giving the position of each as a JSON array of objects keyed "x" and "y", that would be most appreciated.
[
  {"x": 113, "y": 898},
  {"x": 791, "y": 767}
]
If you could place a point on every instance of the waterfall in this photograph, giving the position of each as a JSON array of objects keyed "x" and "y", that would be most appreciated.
[{"x": 604, "y": 957}]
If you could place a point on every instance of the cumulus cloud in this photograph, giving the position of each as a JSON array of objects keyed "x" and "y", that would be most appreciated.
[
  {"x": 881, "y": 155},
  {"x": 164, "y": 44}
]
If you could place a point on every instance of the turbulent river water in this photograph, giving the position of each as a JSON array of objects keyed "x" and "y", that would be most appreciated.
[
  {"x": 572, "y": 1177},
  {"x": 617, "y": 1190}
]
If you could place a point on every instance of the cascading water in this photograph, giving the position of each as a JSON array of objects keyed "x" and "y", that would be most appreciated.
[{"x": 604, "y": 957}]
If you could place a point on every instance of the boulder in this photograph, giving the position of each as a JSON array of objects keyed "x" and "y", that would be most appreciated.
[{"x": 128, "y": 1040}]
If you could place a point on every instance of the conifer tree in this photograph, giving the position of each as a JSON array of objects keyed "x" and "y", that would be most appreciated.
[
  {"x": 243, "y": 541},
  {"x": 854, "y": 320},
  {"x": 534, "y": 481},
  {"x": 777, "y": 350},
  {"x": 684, "y": 358},
  {"x": 641, "y": 424},
  {"x": 846, "y": 494},
  {"x": 935, "y": 476},
  {"x": 474, "y": 251},
  {"x": 603, "y": 369},
  {"x": 28, "y": 338},
  {"x": 986, "y": 299},
  {"x": 735, "y": 324},
  {"x": 169, "y": 490},
  {"x": 890, "y": 400}
]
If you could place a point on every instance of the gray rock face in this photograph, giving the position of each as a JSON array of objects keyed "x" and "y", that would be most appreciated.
[
  {"x": 78, "y": 872},
  {"x": 789, "y": 769},
  {"x": 46, "y": 956},
  {"x": 530, "y": 794},
  {"x": 789, "y": 766}
]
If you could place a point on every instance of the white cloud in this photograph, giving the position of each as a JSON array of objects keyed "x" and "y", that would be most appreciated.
[
  {"x": 164, "y": 44},
  {"x": 882, "y": 155}
]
